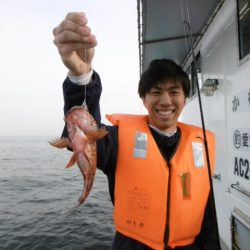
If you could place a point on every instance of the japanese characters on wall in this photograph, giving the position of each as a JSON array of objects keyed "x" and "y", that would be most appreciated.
[{"x": 241, "y": 135}]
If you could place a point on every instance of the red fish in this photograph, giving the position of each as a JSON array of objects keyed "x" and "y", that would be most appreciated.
[{"x": 83, "y": 133}]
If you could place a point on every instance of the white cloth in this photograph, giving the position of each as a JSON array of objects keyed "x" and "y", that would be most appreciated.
[{"x": 83, "y": 79}]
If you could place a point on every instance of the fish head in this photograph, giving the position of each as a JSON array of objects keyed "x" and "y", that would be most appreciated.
[{"x": 80, "y": 116}]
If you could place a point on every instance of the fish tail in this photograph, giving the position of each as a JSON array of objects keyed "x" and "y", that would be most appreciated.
[{"x": 72, "y": 160}]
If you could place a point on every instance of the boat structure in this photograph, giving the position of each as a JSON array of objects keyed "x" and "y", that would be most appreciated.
[{"x": 210, "y": 39}]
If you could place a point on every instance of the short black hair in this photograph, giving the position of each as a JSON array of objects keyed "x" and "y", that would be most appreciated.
[{"x": 160, "y": 71}]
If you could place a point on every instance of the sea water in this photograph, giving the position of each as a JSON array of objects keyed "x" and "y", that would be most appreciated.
[{"x": 35, "y": 188}]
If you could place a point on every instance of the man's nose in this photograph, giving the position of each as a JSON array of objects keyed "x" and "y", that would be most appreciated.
[{"x": 165, "y": 98}]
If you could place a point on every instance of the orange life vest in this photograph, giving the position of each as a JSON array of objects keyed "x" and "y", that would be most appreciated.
[{"x": 141, "y": 184}]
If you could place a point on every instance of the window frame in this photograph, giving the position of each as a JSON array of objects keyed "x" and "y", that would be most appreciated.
[{"x": 245, "y": 57}]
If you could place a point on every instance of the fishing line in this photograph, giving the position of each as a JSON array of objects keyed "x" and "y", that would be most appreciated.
[
  {"x": 84, "y": 104},
  {"x": 188, "y": 23}
]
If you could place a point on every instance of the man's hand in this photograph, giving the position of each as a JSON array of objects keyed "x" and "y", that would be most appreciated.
[{"x": 75, "y": 43}]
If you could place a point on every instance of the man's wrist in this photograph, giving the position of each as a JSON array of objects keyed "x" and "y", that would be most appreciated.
[{"x": 82, "y": 79}]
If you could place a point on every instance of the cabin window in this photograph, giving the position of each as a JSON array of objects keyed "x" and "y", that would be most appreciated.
[
  {"x": 243, "y": 10},
  {"x": 192, "y": 73}
]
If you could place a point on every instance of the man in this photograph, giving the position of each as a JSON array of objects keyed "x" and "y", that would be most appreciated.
[{"x": 156, "y": 167}]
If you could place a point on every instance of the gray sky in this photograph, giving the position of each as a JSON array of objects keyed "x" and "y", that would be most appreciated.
[{"x": 32, "y": 73}]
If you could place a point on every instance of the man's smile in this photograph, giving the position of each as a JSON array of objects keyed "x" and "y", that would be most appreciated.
[{"x": 165, "y": 113}]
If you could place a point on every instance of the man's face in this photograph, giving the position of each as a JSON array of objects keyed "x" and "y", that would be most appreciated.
[{"x": 164, "y": 103}]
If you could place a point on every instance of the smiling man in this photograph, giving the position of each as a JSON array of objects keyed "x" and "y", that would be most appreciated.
[{"x": 155, "y": 165}]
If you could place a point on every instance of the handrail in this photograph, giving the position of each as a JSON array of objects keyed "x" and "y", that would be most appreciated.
[{"x": 240, "y": 189}]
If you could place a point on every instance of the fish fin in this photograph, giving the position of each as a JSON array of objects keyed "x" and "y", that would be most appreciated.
[
  {"x": 60, "y": 142},
  {"x": 72, "y": 160},
  {"x": 98, "y": 134}
]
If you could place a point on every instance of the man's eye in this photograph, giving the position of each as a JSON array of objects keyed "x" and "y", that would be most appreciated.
[
  {"x": 155, "y": 92},
  {"x": 175, "y": 92}
]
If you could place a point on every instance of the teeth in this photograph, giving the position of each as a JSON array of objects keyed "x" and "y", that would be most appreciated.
[{"x": 165, "y": 112}]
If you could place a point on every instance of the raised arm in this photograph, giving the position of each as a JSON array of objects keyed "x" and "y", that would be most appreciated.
[{"x": 75, "y": 44}]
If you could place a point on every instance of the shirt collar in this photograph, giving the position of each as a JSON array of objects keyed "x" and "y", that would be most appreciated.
[{"x": 168, "y": 134}]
